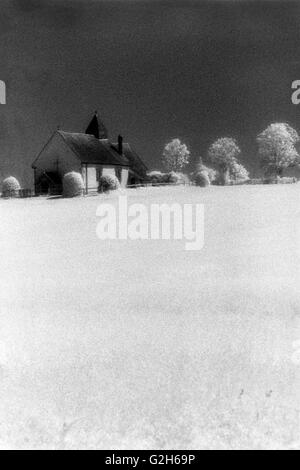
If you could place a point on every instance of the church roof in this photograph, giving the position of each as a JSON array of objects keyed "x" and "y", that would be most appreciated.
[
  {"x": 135, "y": 162},
  {"x": 91, "y": 150}
]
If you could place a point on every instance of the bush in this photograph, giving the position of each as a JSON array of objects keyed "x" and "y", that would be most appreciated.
[
  {"x": 201, "y": 179},
  {"x": 278, "y": 180},
  {"x": 176, "y": 178},
  {"x": 211, "y": 173},
  {"x": 10, "y": 187},
  {"x": 172, "y": 177},
  {"x": 156, "y": 177},
  {"x": 183, "y": 178},
  {"x": 73, "y": 184},
  {"x": 108, "y": 183}
]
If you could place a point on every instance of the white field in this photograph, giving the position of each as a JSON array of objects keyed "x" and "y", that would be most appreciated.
[{"x": 141, "y": 344}]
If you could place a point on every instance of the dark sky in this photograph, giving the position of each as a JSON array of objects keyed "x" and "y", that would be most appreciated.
[{"x": 155, "y": 70}]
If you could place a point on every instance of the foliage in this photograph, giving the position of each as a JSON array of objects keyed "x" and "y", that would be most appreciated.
[
  {"x": 157, "y": 177},
  {"x": 10, "y": 187},
  {"x": 223, "y": 152},
  {"x": 108, "y": 183},
  {"x": 176, "y": 178},
  {"x": 201, "y": 179},
  {"x": 238, "y": 172},
  {"x": 175, "y": 156},
  {"x": 211, "y": 173},
  {"x": 276, "y": 148},
  {"x": 73, "y": 184}
]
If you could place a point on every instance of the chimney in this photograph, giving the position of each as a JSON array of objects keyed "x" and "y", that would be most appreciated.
[{"x": 120, "y": 144}]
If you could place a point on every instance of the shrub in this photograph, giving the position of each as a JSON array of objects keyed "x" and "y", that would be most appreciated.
[
  {"x": 108, "y": 183},
  {"x": 287, "y": 180},
  {"x": 176, "y": 178},
  {"x": 183, "y": 178},
  {"x": 201, "y": 179},
  {"x": 10, "y": 187},
  {"x": 211, "y": 173},
  {"x": 72, "y": 184},
  {"x": 173, "y": 177},
  {"x": 278, "y": 180},
  {"x": 156, "y": 177}
]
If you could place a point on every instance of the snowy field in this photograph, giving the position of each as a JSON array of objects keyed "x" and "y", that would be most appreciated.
[{"x": 123, "y": 344}]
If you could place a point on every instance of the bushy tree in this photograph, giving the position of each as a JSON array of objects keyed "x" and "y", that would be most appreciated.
[
  {"x": 73, "y": 184},
  {"x": 10, "y": 187},
  {"x": 201, "y": 179},
  {"x": 175, "y": 156},
  {"x": 108, "y": 183},
  {"x": 238, "y": 172},
  {"x": 223, "y": 153},
  {"x": 201, "y": 168},
  {"x": 276, "y": 148}
]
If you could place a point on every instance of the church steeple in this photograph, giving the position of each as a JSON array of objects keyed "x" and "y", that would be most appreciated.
[{"x": 97, "y": 128}]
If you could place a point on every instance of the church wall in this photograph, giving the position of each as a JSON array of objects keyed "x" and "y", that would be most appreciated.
[
  {"x": 109, "y": 170},
  {"x": 124, "y": 177},
  {"x": 93, "y": 172},
  {"x": 57, "y": 157}
]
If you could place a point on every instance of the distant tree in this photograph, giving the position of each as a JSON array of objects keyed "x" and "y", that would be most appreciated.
[
  {"x": 175, "y": 156},
  {"x": 199, "y": 165},
  {"x": 201, "y": 179},
  {"x": 201, "y": 168},
  {"x": 223, "y": 153},
  {"x": 276, "y": 148},
  {"x": 238, "y": 172}
]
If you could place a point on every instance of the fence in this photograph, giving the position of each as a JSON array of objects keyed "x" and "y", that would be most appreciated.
[
  {"x": 283, "y": 180},
  {"x": 21, "y": 193},
  {"x": 145, "y": 185},
  {"x": 57, "y": 190}
]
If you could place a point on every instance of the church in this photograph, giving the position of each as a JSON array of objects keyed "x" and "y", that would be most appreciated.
[{"x": 92, "y": 154}]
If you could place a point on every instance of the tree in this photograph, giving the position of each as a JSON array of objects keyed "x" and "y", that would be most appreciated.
[
  {"x": 175, "y": 156},
  {"x": 238, "y": 172},
  {"x": 276, "y": 148},
  {"x": 201, "y": 179},
  {"x": 201, "y": 168},
  {"x": 223, "y": 153}
]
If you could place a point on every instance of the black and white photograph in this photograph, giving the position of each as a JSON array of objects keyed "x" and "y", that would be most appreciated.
[{"x": 150, "y": 227}]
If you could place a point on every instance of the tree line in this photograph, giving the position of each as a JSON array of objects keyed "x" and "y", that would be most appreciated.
[{"x": 276, "y": 150}]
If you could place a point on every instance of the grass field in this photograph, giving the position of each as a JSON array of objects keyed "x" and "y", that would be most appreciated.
[{"x": 141, "y": 344}]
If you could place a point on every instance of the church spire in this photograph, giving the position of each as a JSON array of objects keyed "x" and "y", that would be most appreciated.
[{"x": 97, "y": 128}]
